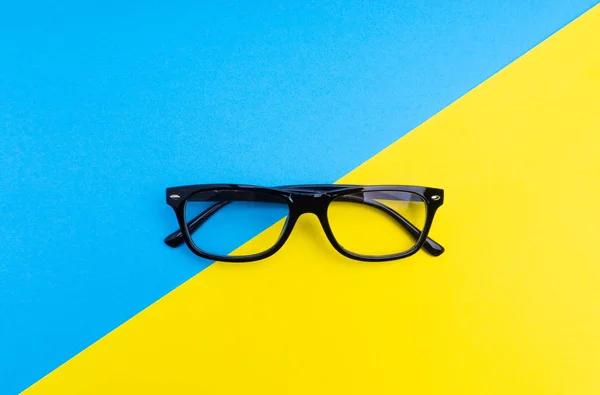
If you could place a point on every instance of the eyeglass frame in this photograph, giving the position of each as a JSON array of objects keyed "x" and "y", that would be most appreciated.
[{"x": 303, "y": 199}]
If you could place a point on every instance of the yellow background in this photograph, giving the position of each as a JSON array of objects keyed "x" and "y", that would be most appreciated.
[{"x": 512, "y": 307}]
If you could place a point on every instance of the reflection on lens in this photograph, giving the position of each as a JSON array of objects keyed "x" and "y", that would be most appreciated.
[
  {"x": 377, "y": 223},
  {"x": 240, "y": 216}
]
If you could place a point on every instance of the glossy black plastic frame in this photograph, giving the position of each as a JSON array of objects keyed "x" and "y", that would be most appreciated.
[{"x": 302, "y": 199}]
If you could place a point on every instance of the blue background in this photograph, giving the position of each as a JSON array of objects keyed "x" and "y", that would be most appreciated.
[{"x": 104, "y": 104}]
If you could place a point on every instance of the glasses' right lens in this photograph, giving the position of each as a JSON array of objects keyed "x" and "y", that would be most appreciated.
[
  {"x": 377, "y": 223},
  {"x": 221, "y": 221}
]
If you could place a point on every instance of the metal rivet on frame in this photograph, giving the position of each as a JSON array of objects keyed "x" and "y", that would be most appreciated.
[
  {"x": 175, "y": 197},
  {"x": 436, "y": 197}
]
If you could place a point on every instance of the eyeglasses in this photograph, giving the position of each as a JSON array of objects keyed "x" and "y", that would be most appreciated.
[{"x": 366, "y": 223}]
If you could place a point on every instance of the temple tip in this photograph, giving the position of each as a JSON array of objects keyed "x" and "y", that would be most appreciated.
[{"x": 175, "y": 239}]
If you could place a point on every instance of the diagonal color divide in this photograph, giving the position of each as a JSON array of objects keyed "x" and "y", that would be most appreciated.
[{"x": 510, "y": 308}]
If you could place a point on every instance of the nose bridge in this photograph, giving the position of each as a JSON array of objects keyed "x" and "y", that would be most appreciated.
[{"x": 309, "y": 203}]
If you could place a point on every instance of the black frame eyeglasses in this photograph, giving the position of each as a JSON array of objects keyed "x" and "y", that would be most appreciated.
[{"x": 326, "y": 202}]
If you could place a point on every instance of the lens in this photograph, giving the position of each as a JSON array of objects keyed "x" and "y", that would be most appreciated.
[
  {"x": 221, "y": 221},
  {"x": 377, "y": 223}
]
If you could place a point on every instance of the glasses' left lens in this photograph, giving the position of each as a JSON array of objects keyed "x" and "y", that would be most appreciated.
[
  {"x": 377, "y": 223},
  {"x": 222, "y": 222}
]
